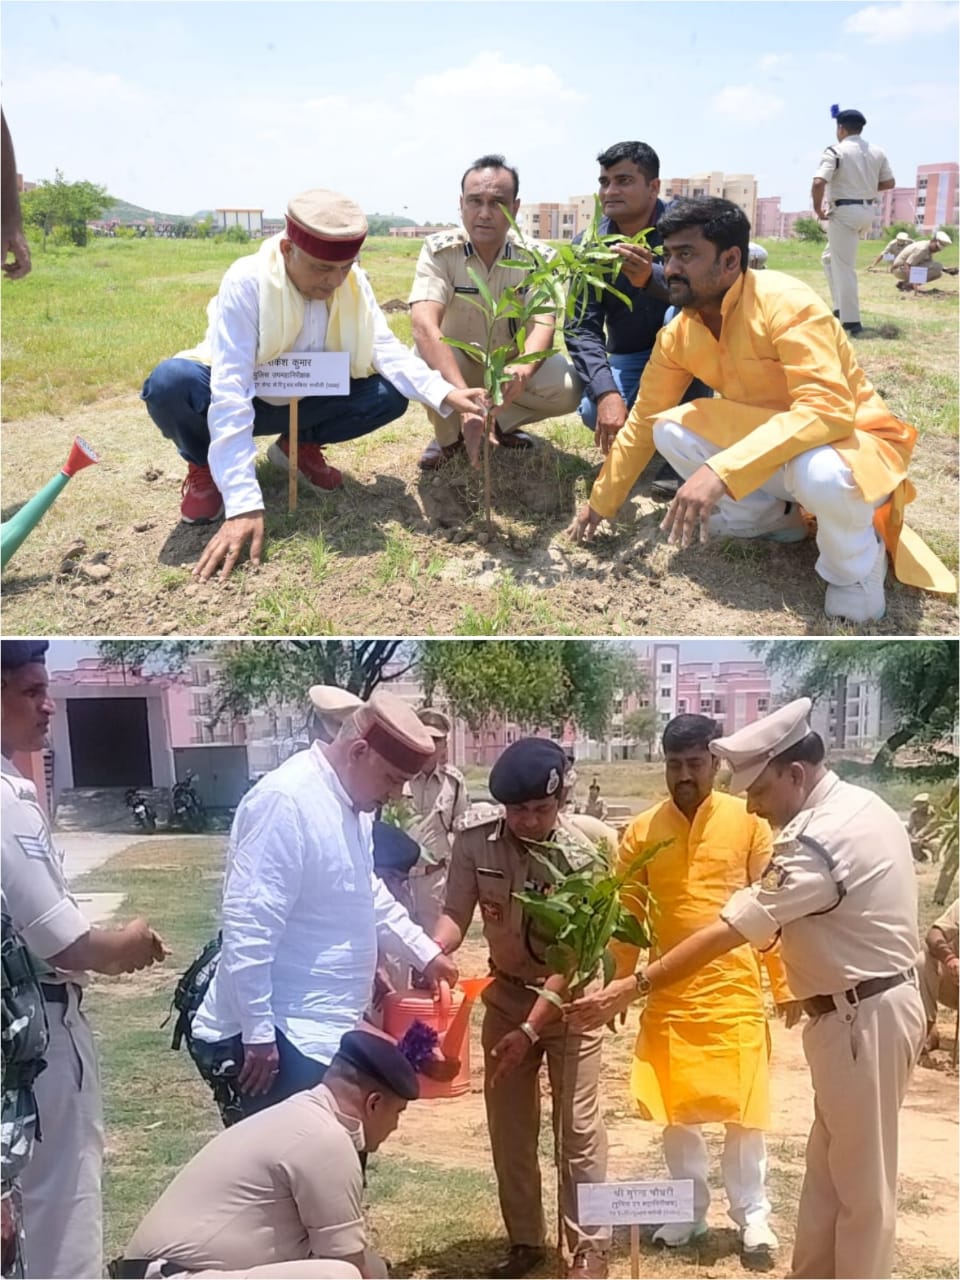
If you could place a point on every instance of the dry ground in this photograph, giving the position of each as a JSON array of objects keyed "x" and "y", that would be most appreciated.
[{"x": 399, "y": 552}]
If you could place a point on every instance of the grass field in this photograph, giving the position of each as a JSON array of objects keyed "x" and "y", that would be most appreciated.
[
  {"x": 432, "y": 1196},
  {"x": 394, "y": 550}
]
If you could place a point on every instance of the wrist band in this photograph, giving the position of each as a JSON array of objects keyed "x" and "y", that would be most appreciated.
[{"x": 529, "y": 1032}]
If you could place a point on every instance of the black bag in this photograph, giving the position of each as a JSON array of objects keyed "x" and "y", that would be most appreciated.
[
  {"x": 24, "y": 1031},
  {"x": 191, "y": 989}
]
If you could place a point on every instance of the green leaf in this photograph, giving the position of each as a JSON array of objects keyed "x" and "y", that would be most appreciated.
[
  {"x": 561, "y": 958},
  {"x": 609, "y": 968},
  {"x": 482, "y": 285},
  {"x": 472, "y": 350},
  {"x": 631, "y": 931}
]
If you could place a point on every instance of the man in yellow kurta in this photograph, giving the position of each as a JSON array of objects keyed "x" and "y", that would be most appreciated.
[
  {"x": 796, "y": 422},
  {"x": 703, "y": 1048}
]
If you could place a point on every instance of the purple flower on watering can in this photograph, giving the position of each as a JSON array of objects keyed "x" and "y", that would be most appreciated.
[{"x": 418, "y": 1044}]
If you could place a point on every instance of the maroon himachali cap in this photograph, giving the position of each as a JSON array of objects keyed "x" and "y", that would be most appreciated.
[{"x": 326, "y": 225}]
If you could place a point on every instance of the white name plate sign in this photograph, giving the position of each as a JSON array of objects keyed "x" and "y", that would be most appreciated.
[
  {"x": 304, "y": 373},
  {"x": 610, "y": 1204},
  {"x": 918, "y": 275}
]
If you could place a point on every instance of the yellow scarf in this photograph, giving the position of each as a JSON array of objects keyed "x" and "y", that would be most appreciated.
[{"x": 349, "y": 320}]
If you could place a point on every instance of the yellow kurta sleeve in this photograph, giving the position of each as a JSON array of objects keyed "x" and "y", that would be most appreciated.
[
  {"x": 822, "y": 403},
  {"x": 633, "y": 896},
  {"x": 662, "y": 386},
  {"x": 776, "y": 974},
  {"x": 761, "y": 851}
]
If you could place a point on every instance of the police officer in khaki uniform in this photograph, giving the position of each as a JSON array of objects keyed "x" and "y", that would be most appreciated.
[
  {"x": 442, "y": 305},
  {"x": 938, "y": 967},
  {"x": 329, "y": 707},
  {"x": 891, "y": 249},
  {"x": 849, "y": 176},
  {"x": 281, "y": 1194},
  {"x": 61, "y": 1183},
  {"x": 438, "y": 796},
  {"x": 495, "y": 855},
  {"x": 840, "y": 889},
  {"x": 920, "y": 254}
]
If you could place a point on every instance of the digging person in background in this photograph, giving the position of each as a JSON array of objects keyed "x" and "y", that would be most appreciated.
[
  {"x": 611, "y": 341},
  {"x": 720, "y": 1074},
  {"x": 938, "y": 967},
  {"x": 796, "y": 422},
  {"x": 281, "y": 1195},
  {"x": 920, "y": 254},
  {"x": 304, "y": 911},
  {"x": 889, "y": 251},
  {"x": 440, "y": 307},
  {"x": 60, "y": 1186},
  {"x": 841, "y": 893},
  {"x": 494, "y": 856},
  {"x": 849, "y": 177},
  {"x": 438, "y": 795},
  {"x": 302, "y": 291}
]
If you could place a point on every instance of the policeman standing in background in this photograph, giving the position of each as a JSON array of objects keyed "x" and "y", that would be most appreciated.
[
  {"x": 329, "y": 707},
  {"x": 841, "y": 891},
  {"x": 438, "y": 796},
  {"x": 495, "y": 854},
  {"x": 849, "y": 176},
  {"x": 61, "y": 1184}
]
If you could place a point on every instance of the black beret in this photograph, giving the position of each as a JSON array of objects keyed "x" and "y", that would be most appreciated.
[
  {"x": 393, "y": 849},
  {"x": 382, "y": 1060},
  {"x": 850, "y": 116},
  {"x": 529, "y": 769},
  {"x": 17, "y": 653}
]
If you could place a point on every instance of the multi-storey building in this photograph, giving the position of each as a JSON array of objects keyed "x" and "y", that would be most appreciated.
[{"x": 937, "y": 196}]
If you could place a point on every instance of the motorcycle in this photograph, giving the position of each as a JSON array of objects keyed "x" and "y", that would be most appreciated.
[
  {"x": 144, "y": 813},
  {"x": 188, "y": 811}
]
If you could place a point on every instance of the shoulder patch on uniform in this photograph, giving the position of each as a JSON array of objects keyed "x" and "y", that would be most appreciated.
[
  {"x": 774, "y": 877},
  {"x": 445, "y": 240},
  {"x": 478, "y": 815},
  {"x": 36, "y": 846}
]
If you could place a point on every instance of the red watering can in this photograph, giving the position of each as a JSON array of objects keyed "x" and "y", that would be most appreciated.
[{"x": 449, "y": 1016}]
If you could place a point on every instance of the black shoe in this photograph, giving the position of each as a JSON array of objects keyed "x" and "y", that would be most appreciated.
[
  {"x": 853, "y": 327},
  {"x": 513, "y": 440},
  {"x": 436, "y": 454},
  {"x": 666, "y": 483},
  {"x": 520, "y": 1261}
]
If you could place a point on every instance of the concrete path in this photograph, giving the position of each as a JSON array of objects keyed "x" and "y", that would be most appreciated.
[{"x": 82, "y": 852}]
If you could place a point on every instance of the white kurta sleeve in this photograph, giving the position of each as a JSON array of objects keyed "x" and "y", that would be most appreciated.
[
  {"x": 234, "y": 336},
  {"x": 263, "y": 883},
  {"x": 397, "y": 933},
  {"x": 402, "y": 367}
]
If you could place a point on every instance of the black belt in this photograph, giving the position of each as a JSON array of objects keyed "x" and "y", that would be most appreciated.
[
  {"x": 839, "y": 202},
  {"x": 816, "y": 1005},
  {"x": 516, "y": 982}
]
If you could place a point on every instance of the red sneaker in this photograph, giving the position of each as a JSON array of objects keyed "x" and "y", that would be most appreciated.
[
  {"x": 311, "y": 464},
  {"x": 200, "y": 500}
]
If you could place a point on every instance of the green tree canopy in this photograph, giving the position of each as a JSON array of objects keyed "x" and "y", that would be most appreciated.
[
  {"x": 918, "y": 679},
  {"x": 809, "y": 229},
  {"x": 537, "y": 683},
  {"x": 64, "y": 204},
  {"x": 644, "y": 725}
]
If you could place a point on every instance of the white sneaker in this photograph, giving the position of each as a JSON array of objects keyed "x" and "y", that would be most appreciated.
[
  {"x": 676, "y": 1234},
  {"x": 861, "y": 601},
  {"x": 780, "y": 526},
  {"x": 759, "y": 1237}
]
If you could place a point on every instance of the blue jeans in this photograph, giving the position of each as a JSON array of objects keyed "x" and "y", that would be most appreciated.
[
  {"x": 297, "y": 1072},
  {"x": 627, "y": 371},
  {"x": 177, "y": 396}
]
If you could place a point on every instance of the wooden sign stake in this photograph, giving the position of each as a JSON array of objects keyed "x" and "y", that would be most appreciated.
[
  {"x": 293, "y": 446},
  {"x": 634, "y": 1251}
]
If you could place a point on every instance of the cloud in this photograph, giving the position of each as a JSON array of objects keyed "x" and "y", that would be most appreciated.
[
  {"x": 891, "y": 23},
  {"x": 774, "y": 61},
  {"x": 746, "y": 102}
]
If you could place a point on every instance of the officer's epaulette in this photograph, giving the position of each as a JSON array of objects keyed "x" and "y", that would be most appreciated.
[
  {"x": 480, "y": 814},
  {"x": 446, "y": 239},
  {"x": 453, "y": 772}
]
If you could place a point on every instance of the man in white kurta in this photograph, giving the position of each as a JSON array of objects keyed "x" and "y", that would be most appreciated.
[
  {"x": 304, "y": 911},
  {"x": 303, "y": 291}
]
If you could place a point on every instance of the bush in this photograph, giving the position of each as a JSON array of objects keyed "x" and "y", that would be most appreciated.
[
  {"x": 232, "y": 235},
  {"x": 809, "y": 230}
]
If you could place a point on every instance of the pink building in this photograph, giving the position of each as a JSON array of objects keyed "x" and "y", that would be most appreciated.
[
  {"x": 897, "y": 205},
  {"x": 937, "y": 202},
  {"x": 768, "y": 217},
  {"x": 732, "y": 693}
]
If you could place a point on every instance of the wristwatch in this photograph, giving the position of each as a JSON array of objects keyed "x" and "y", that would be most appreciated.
[
  {"x": 642, "y": 982},
  {"x": 529, "y": 1032}
]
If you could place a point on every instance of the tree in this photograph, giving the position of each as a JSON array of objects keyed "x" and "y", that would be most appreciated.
[
  {"x": 918, "y": 680},
  {"x": 809, "y": 230},
  {"x": 65, "y": 204},
  {"x": 540, "y": 684},
  {"x": 644, "y": 725},
  {"x": 896, "y": 227}
]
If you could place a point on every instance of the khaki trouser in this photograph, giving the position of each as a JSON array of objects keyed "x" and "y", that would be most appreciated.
[
  {"x": 513, "y": 1119},
  {"x": 861, "y": 1060},
  {"x": 428, "y": 892},
  {"x": 934, "y": 271},
  {"x": 552, "y": 391},
  {"x": 62, "y": 1210},
  {"x": 936, "y": 985},
  {"x": 840, "y": 258},
  {"x": 302, "y": 1269},
  {"x": 945, "y": 878}
]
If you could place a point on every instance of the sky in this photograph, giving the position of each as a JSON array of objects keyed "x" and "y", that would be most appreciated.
[{"x": 195, "y": 104}]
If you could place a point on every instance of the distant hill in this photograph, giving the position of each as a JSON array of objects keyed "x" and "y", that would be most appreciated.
[{"x": 124, "y": 212}]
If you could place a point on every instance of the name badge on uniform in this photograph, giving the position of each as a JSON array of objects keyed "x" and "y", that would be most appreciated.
[{"x": 465, "y": 288}]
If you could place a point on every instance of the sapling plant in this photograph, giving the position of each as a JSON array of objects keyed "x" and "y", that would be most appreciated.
[{"x": 559, "y": 283}]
